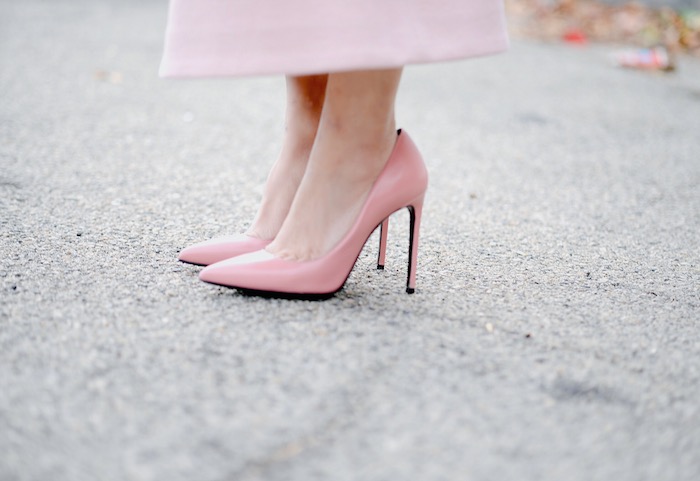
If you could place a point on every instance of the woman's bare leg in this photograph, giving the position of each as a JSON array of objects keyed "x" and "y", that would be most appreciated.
[
  {"x": 355, "y": 137},
  {"x": 305, "y": 97}
]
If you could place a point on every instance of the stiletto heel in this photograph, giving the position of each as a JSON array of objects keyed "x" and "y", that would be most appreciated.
[
  {"x": 415, "y": 210},
  {"x": 383, "y": 235},
  {"x": 401, "y": 184}
]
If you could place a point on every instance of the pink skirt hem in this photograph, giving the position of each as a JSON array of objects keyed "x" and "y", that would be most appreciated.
[{"x": 215, "y": 38}]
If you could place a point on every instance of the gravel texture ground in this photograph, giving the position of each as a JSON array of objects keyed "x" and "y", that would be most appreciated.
[{"x": 554, "y": 334}]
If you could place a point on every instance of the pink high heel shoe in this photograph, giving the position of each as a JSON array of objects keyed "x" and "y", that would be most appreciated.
[
  {"x": 221, "y": 248},
  {"x": 401, "y": 184}
]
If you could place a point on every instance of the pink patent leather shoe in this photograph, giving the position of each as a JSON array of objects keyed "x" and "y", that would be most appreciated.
[
  {"x": 401, "y": 184},
  {"x": 221, "y": 248}
]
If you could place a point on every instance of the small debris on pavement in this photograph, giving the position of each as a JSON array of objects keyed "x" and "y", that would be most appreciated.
[
  {"x": 575, "y": 36},
  {"x": 657, "y": 58},
  {"x": 110, "y": 77}
]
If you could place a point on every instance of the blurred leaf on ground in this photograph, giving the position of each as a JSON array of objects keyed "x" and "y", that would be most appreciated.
[{"x": 578, "y": 21}]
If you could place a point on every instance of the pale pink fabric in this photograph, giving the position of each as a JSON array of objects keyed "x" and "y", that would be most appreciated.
[{"x": 255, "y": 37}]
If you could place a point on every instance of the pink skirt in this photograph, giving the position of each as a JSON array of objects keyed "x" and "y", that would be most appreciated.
[{"x": 207, "y": 38}]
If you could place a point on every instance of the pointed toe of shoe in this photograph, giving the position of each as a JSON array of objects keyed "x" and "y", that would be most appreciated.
[
  {"x": 216, "y": 250},
  {"x": 194, "y": 255},
  {"x": 213, "y": 274},
  {"x": 262, "y": 273},
  {"x": 238, "y": 271}
]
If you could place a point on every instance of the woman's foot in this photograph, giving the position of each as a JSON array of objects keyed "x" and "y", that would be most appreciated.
[
  {"x": 305, "y": 97},
  {"x": 281, "y": 186},
  {"x": 355, "y": 137}
]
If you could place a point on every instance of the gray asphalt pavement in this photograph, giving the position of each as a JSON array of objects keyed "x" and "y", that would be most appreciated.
[{"x": 554, "y": 334}]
